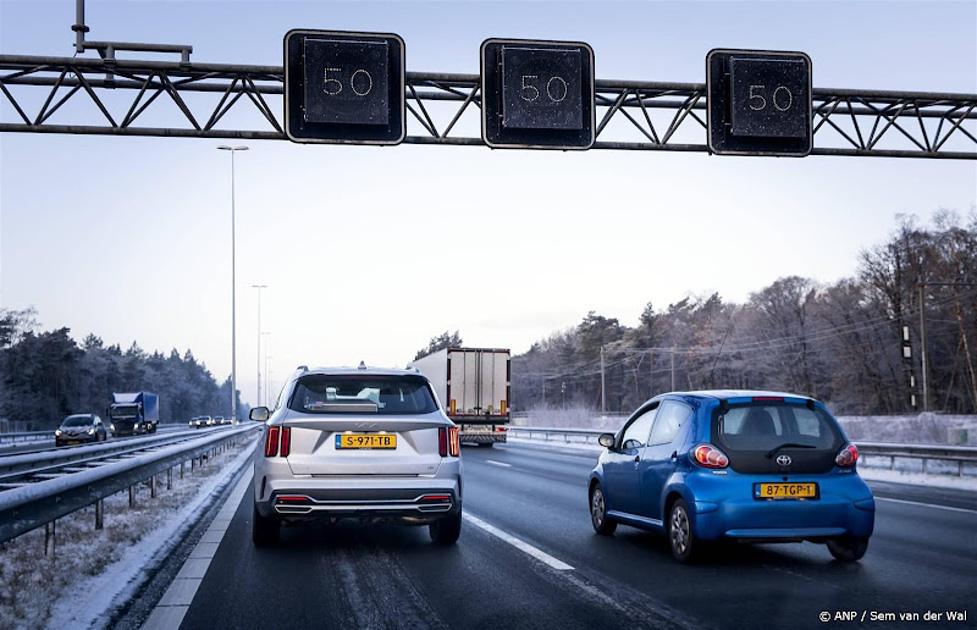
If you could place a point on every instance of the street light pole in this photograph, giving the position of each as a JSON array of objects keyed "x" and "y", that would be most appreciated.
[
  {"x": 257, "y": 397},
  {"x": 233, "y": 150},
  {"x": 265, "y": 389}
]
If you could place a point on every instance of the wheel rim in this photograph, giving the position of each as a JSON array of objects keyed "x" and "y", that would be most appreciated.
[
  {"x": 597, "y": 507},
  {"x": 679, "y": 530}
]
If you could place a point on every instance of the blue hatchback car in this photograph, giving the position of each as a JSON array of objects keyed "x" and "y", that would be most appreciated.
[{"x": 744, "y": 466}]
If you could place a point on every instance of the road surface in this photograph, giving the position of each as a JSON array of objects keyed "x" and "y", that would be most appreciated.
[{"x": 531, "y": 560}]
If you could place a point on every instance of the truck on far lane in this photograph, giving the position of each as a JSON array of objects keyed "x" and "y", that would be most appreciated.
[
  {"x": 474, "y": 386},
  {"x": 133, "y": 413}
]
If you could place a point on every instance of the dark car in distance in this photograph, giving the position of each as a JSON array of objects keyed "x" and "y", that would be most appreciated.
[{"x": 80, "y": 428}]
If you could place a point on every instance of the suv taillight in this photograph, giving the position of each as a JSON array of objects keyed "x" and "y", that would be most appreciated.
[
  {"x": 709, "y": 456},
  {"x": 271, "y": 442},
  {"x": 454, "y": 441},
  {"x": 847, "y": 456},
  {"x": 286, "y": 441},
  {"x": 449, "y": 442}
]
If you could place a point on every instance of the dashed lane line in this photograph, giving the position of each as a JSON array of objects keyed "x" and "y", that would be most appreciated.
[{"x": 518, "y": 543}]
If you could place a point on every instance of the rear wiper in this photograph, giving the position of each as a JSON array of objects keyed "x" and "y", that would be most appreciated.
[{"x": 788, "y": 445}]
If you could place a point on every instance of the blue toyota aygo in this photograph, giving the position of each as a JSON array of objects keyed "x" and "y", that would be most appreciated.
[{"x": 746, "y": 466}]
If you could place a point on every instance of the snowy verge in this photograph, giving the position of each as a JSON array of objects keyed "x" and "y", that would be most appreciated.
[{"x": 120, "y": 581}]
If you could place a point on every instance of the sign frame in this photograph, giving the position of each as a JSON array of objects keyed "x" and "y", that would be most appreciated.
[
  {"x": 720, "y": 140},
  {"x": 495, "y": 137},
  {"x": 294, "y": 90}
]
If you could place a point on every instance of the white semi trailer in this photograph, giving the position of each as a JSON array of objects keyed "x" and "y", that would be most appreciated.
[{"x": 473, "y": 384}]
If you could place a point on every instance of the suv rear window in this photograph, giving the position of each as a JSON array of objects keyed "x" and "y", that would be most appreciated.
[{"x": 381, "y": 395}]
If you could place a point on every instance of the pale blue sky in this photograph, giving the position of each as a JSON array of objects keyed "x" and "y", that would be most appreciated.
[{"x": 128, "y": 237}]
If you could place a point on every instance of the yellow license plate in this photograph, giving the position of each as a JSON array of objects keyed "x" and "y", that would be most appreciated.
[
  {"x": 366, "y": 440},
  {"x": 786, "y": 491}
]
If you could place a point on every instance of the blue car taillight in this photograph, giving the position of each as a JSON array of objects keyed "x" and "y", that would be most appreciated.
[
  {"x": 847, "y": 456},
  {"x": 708, "y": 456}
]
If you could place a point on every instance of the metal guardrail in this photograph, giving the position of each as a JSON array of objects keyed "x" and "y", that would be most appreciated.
[
  {"x": 41, "y": 458},
  {"x": 961, "y": 455},
  {"x": 33, "y": 505},
  {"x": 25, "y": 436}
]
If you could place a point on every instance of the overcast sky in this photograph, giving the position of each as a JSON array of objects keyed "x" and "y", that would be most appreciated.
[{"x": 368, "y": 252}]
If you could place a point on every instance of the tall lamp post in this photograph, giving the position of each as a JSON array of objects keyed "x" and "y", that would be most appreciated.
[
  {"x": 266, "y": 386},
  {"x": 233, "y": 150},
  {"x": 257, "y": 398}
]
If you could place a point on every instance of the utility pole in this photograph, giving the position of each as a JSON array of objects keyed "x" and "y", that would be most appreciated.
[
  {"x": 257, "y": 398},
  {"x": 603, "y": 385},
  {"x": 921, "y": 287},
  {"x": 922, "y": 345},
  {"x": 672, "y": 354},
  {"x": 233, "y": 150}
]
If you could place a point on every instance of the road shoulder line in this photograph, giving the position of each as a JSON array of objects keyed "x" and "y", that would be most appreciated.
[{"x": 930, "y": 505}]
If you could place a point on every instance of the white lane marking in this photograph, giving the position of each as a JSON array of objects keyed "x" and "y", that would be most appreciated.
[
  {"x": 518, "y": 543},
  {"x": 173, "y": 606},
  {"x": 495, "y": 463},
  {"x": 931, "y": 505}
]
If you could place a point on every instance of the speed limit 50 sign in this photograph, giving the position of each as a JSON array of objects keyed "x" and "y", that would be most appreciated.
[
  {"x": 759, "y": 102},
  {"x": 537, "y": 94},
  {"x": 344, "y": 87}
]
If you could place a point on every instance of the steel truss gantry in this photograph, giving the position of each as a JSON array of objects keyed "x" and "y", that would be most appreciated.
[{"x": 41, "y": 95}]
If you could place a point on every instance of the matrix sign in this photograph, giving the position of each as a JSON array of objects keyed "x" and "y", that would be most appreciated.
[
  {"x": 759, "y": 103},
  {"x": 537, "y": 94},
  {"x": 344, "y": 87}
]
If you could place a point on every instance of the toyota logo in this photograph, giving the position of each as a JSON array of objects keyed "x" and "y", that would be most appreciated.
[{"x": 783, "y": 461}]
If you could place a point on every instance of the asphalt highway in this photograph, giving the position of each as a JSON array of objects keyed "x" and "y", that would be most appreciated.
[{"x": 530, "y": 559}]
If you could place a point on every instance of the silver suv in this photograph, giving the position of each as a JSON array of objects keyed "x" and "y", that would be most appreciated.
[{"x": 357, "y": 442}]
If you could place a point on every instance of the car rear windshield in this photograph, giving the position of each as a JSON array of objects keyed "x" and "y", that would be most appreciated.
[
  {"x": 77, "y": 421},
  {"x": 382, "y": 395},
  {"x": 762, "y": 426}
]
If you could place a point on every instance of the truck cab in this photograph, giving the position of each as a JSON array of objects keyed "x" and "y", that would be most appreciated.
[{"x": 133, "y": 413}]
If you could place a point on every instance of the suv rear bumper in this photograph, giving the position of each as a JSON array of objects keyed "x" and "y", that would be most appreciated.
[{"x": 412, "y": 500}]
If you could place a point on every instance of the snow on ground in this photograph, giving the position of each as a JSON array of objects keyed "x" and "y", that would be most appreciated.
[
  {"x": 967, "y": 482},
  {"x": 90, "y": 571}
]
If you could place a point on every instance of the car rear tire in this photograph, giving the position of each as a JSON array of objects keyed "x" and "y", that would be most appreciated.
[
  {"x": 264, "y": 529},
  {"x": 848, "y": 548},
  {"x": 681, "y": 538},
  {"x": 445, "y": 531}
]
